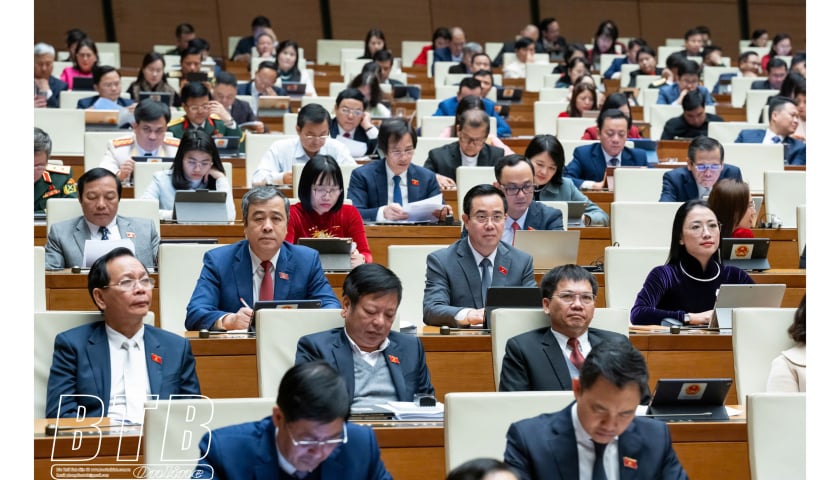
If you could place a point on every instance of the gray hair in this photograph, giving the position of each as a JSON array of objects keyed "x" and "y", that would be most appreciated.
[
  {"x": 474, "y": 118},
  {"x": 43, "y": 143},
  {"x": 259, "y": 195},
  {"x": 44, "y": 49},
  {"x": 472, "y": 48}
]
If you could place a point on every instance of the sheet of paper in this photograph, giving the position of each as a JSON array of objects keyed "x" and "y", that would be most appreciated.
[
  {"x": 96, "y": 248},
  {"x": 423, "y": 209},
  {"x": 106, "y": 104}
]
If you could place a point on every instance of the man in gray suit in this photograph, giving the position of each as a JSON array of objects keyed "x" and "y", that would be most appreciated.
[
  {"x": 457, "y": 277},
  {"x": 548, "y": 358},
  {"x": 515, "y": 177},
  {"x": 99, "y": 193}
]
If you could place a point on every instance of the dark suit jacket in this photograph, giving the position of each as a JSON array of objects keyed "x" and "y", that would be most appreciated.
[
  {"x": 678, "y": 127},
  {"x": 445, "y": 160},
  {"x": 460, "y": 68},
  {"x": 443, "y": 55},
  {"x": 409, "y": 373},
  {"x": 449, "y": 106},
  {"x": 66, "y": 241},
  {"x": 534, "y": 361},
  {"x": 247, "y": 88},
  {"x": 368, "y": 187},
  {"x": 588, "y": 163},
  {"x": 761, "y": 85},
  {"x": 227, "y": 276},
  {"x": 82, "y": 366},
  {"x": 545, "y": 447},
  {"x": 794, "y": 149},
  {"x": 359, "y": 135},
  {"x": 678, "y": 184},
  {"x": 56, "y": 87},
  {"x": 453, "y": 281},
  {"x": 249, "y": 451},
  {"x": 543, "y": 217},
  {"x": 88, "y": 102},
  {"x": 241, "y": 112}
]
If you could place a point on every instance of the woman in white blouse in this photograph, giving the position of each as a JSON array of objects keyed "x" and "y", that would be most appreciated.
[{"x": 787, "y": 371}]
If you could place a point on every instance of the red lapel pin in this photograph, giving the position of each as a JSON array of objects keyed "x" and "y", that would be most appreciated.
[
  {"x": 129, "y": 234},
  {"x": 502, "y": 270},
  {"x": 156, "y": 358},
  {"x": 283, "y": 275},
  {"x": 415, "y": 182},
  {"x": 393, "y": 359},
  {"x": 631, "y": 463}
]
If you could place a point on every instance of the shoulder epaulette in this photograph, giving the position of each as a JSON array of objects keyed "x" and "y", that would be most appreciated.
[
  {"x": 122, "y": 142},
  {"x": 172, "y": 141},
  {"x": 64, "y": 169},
  {"x": 177, "y": 121}
]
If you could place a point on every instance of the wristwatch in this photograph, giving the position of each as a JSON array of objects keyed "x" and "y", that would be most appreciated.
[{"x": 686, "y": 319}]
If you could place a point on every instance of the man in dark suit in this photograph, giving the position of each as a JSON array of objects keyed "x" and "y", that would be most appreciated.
[
  {"x": 390, "y": 366},
  {"x": 473, "y": 86},
  {"x": 261, "y": 267},
  {"x": 307, "y": 436},
  {"x": 515, "y": 177},
  {"x": 109, "y": 367},
  {"x": 694, "y": 120},
  {"x": 471, "y": 149},
  {"x": 263, "y": 83},
  {"x": 224, "y": 91},
  {"x": 598, "y": 436},
  {"x": 457, "y": 277},
  {"x": 588, "y": 167},
  {"x": 530, "y": 31},
  {"x": 465, "y": 66},
  {"x": 705, "y": 168},
  {"x": 455, "y": 51},
  {"x": 380, "y": 189},
  {"x": 47, "y": 87},
  {"x": 106, "y": 82},
  {"x": 352, "y": 124},
  {"x": 777, "y": 70},
  {"x": 99, "y": 193},
  {"x": 548, "y": 358},
  {"x": 784, "y": 118}
]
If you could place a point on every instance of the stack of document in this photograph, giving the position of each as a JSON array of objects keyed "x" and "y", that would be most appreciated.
[
  {"x": 410, "y": 411},
  {"x": 407, "y": 327}
]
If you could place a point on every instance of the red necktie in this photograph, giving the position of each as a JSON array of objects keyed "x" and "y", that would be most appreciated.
[
  {"x": 576, "y": 357},
  {"x": 515, "y": 227},
  {"x": 267, "y": 285}
]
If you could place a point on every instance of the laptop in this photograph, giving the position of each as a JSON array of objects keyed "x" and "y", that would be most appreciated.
[
  {"x": 163, "y": 97},
  {"x": 403, "y": 91},
  {"x": 690, "y": 400},
  {"x": 294, "y": 89},
  {"x": 83, "y": 83},
  {"x": 549, "y": 248},
  {"x": 280, "y": 305},
  {"x": 745, "y": 253},
  {"x": 197, "y": 77},
  {"x": 227, "y": 146},
  {"x": 333, "y": 252},
  {"x": 200, "y": 207},
  {"x": 575, "y": 213},
  {"x": 508, "y": 94},
  {"x": 510, "y": 297},
  {"x": 743, "y": 296},
  {"x": 102, "y": 117},
  {"x": 273, "y": 105}
]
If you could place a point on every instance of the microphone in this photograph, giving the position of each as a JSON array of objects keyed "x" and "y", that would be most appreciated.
[{"x": 205, "y": 333}]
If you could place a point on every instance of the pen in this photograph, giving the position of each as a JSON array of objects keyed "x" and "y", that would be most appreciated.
[{"x": 242, "y": 301}]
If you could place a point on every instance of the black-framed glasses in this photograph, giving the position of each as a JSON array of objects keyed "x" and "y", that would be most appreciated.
[{"x": 512, "y": 189}]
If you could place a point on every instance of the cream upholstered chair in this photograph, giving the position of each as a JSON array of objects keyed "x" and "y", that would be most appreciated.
[
  {"x": 426, "y": 144},
  {"x": 551, "y": 94},
  {"x": 659, "y": 115},
  {"x": 727, "y": 132},
  {"x": 711, "y": 75},
  {"x": 642, "y": 224},
  {"x": 776, "y": 435},
  {"x": 66, "y": 128},
  {"x": 756, "y": 101},
  {"x": 173, "y": 428},
  {"x": 626, "y": 69},
  {"x": 327, "y": 102},
  {"x": 328, "y": 51},
  {"x": 449, "y": 87},
  {"x": 545, "y": 116},
  {"x": 255, "y": 148},
  {"x": 510, "y": 322},
  {"x": 468, "y": 177},
  {"x": 96, "y": 144},
  {"x": 59, "y": 209},
  {"x": 783, "y": 192},
  {"x": 47, "y": 326},
  {"x": 40, "y": 279},
  {"x": 439, "y": 71},
  {"x": 468, "y": 434},
  {"x": 637, "y": 184},
  {"x": 143, "y": 174},
  {"x": 569, "y": 146},
  {"x": 409, "y": 263},
  {"x": 410, "y": 50},
  {"x": 740, "y": 87},
  {"x": 179, "y": 267},
  {"x": 573, "y": 128},
  {"x": 758, "y": 336},
  {"x": 754, "y": 159},
  {"x": 432, "y": 125},
  {"x": 534, "y": 73},
  {"x": 800, "y": 227},
  {"x": 424, "y": 107},
  {"x": 559, "y": 205},
  {"x": 625, "y": 270}
]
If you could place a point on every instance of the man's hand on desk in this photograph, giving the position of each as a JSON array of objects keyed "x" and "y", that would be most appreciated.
[
  {"x": 394, "y": 211},
  {"x": 237, "y": 321},
  {"x": 474, "y": 317},
  {"x": 702, "y": 318},
  {"x": 444, "y": 182}
]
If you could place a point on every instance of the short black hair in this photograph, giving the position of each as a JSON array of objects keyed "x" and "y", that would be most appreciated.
[
  {"x": 260, "y": 21},
  {"x": 383, "y": 55},
  {"x": 570, "y": 272},
  {"x": 619, "y": 363},
  {"x": 149, "y": 110},
  {"x": 199, "y": 43},
  {"x": 194, "y": 90},
  {"x": 95, "y": 174},
  {"x": 441, "y": 32},
  {"x": 523, "y": 42},
  {"x": 703, "y": 143},
  {"x": 777, "y": 103},
  {"x": 611, "y": 113},
  {"x": 317, "y": 168},
  {"x": 692, "y": 100},
  {"x": 102, "y": 70},
  {"x": 371, "y": 279},
  {"x": 688, "y": 67},
  {"x": 226, "y": 78},
  {"x": 313, "y": 391},
  {"x": 184, "y": 28},
  {"x": 468, "y": 82},
  {"x": 352, "y": 94},
  {"x": 776, "y": 62},
  {"x": 481, "y": 190},
  {"x": 267, "y": 64},
  {"x": 510, "y": 161},
  {"x": 478, "y": 468},
  {"x": 692, "y": 32},
  {"x": 745, "y": 55},
  {"x": 674, "y": 60},
  {"x": 191, "y": 49},
  {"x": 312, "y": 113},
  {"x": 393, "y": 130},
  {"x": 98, "y": 276}
]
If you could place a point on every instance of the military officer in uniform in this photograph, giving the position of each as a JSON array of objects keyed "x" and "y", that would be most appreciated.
[
  {"x": 148, "y": 140},
  {"x": 203, "y": 114},
  {"x": 50, "y": 180}
]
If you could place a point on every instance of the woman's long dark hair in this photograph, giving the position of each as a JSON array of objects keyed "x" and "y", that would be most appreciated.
[
  {"x": 549, "y": 144},
  {"x": 191, "y": 141}
]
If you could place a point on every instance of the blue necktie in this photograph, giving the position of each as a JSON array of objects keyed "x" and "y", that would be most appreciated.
[
  {"x": 598, "y": 470},
  {"x": 614, "y": 162},
  {"x": 777, "y": 139},
  {"x": 397, "y": 191},
  {"x": 104, "y": 232},
  {"x": 485, "y": 278}
]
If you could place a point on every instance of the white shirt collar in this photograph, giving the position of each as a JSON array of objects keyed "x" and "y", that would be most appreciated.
[
  {"x": 113, "y": 231},
  {"x": 477, "y": 257}
]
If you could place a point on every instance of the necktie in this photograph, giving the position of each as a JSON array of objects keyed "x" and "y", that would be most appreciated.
[
  {"x": 267, "y": 285},
  {"x": 576, "y": 357},
  {"x": 485, "y": 278},
  {"x": 397, "y": 191},
  {"x": 346, "y": 134},
  {"x": 135, "y": 394},
  {"x": 147, "y": 154},
  {"x": 614, "y": 162},
  {"x": 515, "y": 227},
  {"x": 103, "y": 231},
  {"x": 300, "y": 474},
  {"x": 777, "y": 139},
  {"x": 598, "y": 470}
]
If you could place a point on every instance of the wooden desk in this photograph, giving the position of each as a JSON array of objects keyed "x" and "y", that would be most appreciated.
[{"x": 415, "y": 452}]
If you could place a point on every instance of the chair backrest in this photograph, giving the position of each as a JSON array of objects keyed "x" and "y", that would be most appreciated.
[
  {"x": 353, "y": 65},
  {"x": 754, "y": 159},
  {"x": 659, "y": 115},
  {"x": 425, "y": 107},
  {"x": 637, "y": 184},
  {"x": 607, "y": 60},
  {"x": 327, "y": 102},
  {"x": 744, "y": 45},
  {"x": 446, "y": 90},
  {"x": 407, "y": 262},
  {"x": 161, "y": 49},
  {"x": 647, "y": 98},
  {"x": 439, "y": 70},
  {"x": 663, "y": 51},
  {"x": 712, "y": 74},
  {"x": 656, "y": 217},
  {"x": 468, "y": 434},
  {"x": 783, "y": 193},
  {"x": 452, "y": 80},
  {"x": 550, "y": 79},
  {"x": 329, "y": 51},
  {"x": 39, "y": 265},
  {"x": 740, "y": 87},
  {"x": 776, "y": 436},
  {"x": 96, "y": 144},
  {"x": 569, "y": 146},
  {"x": 255, "y": 148},
  {"x": 425, "y": 144},
  {"x": 337, "y": 87},
  {"x": 112, "y": 48},
  {"x": 432, "y": 125},
  {"x": 534, "y": 74},
  {"x": 66, "y": 128},
  {"x": 551, "y": 94},
  {"x": 755, "y": 103},
  {"x": 563, "y": 206},
  {"x": 758, "y": 336},
  {"x": 59, "y": 209},
  {"x": 800, "y": 227},
  {"x": 173, "y": 427},
  {"x": 545, "y": 116},
  {"x": 510, "y": 322},
  {"x": 289, "y": 128},
  {"x": 625, "y": 270},
  {"x": 625, "y": 73},
  {"x": 727, "y": 132},
  {"x": 410, "y": 50},
  {"x": 278, "y": 334},
  {"x": 47, "y": 325},
  {"x": 573, "y": 128},
  {"x": 143, "y": 173},
  {"x": 346, "y": 171},
  {"x": 468, "y": 177},
  {"x": 178, "y": 270}
]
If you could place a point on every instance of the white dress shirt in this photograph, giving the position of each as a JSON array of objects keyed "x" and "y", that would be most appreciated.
[
  {"x": 117, "y": 403},
  {"x": 282, "y": 154},
  {"x": 586, "y": 451}
]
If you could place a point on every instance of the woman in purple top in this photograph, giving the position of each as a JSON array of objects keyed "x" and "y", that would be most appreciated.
[{"x": 685, "y": 288}]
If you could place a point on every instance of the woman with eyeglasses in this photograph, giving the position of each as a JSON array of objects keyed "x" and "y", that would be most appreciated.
[
  {"x": 196, "y": 166},
  {"x": 685, "y": 288},
  {"x": 322, "y": 213},
  {"x": 733, "y": 205}
]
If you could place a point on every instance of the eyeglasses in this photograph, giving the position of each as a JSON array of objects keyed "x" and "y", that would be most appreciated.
[
  {"x": 319, "y": 443},
  {"x": 569, "y": 297},
  {"x": 697, "y": 228},
  {"x": 472, "y": 141},
  {"x": 702, "y": 167},
  {"x": 351, "y": 111},
  {"x": 401, "y": 154},
  {"x": 202, "y": 165},
  {"x": 129, "y": 283},
  {"x": 515, "y": 189},
  {"x": 198, "y": 108},
  {"x": 482, "y": 218},
  {"x": 316, "y": 138},
  {"x": 328, "y": 191}
]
